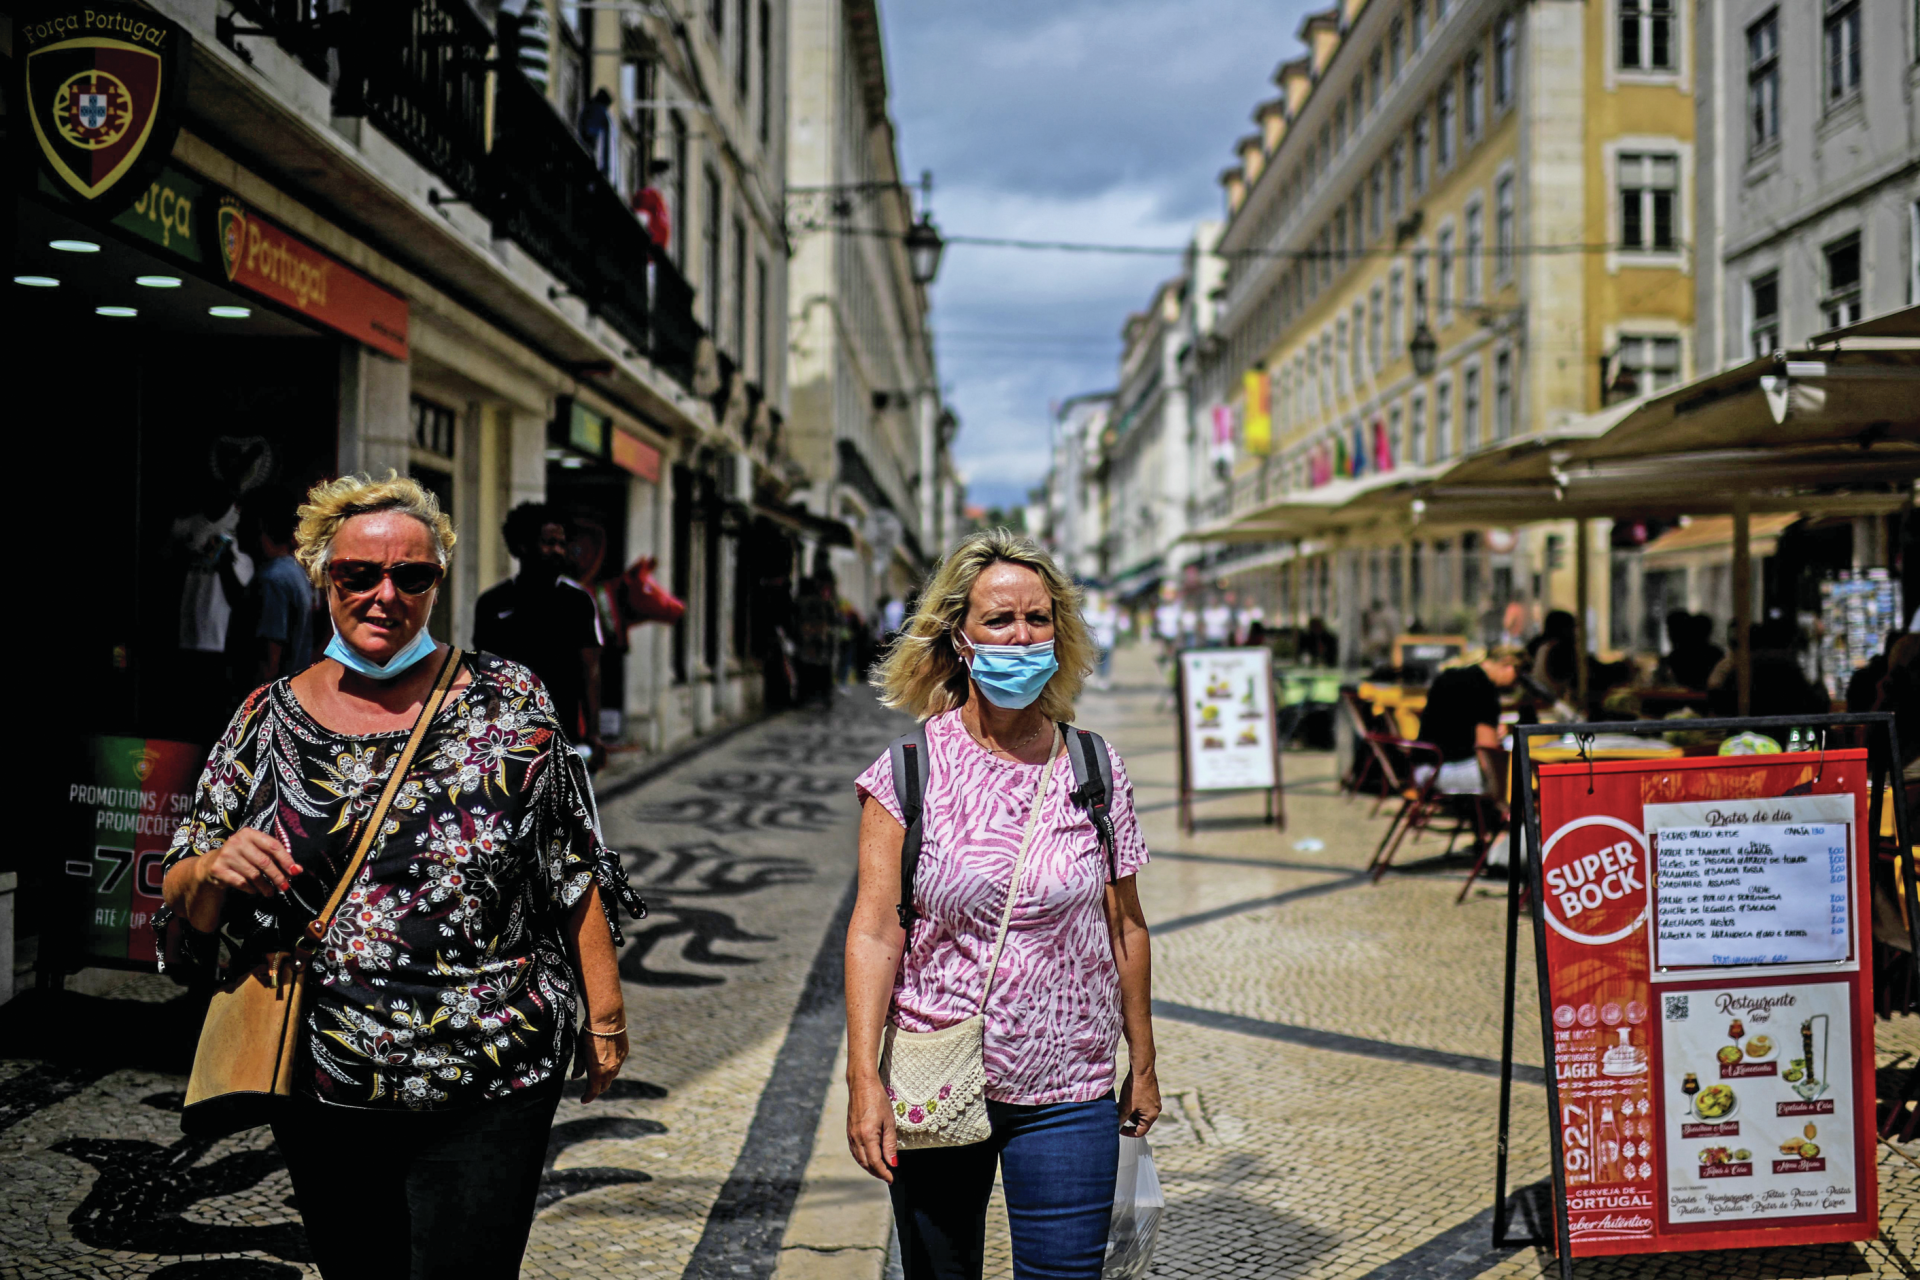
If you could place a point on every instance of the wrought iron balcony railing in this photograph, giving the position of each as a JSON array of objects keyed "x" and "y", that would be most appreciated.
[{"x": 418, "y": 72}]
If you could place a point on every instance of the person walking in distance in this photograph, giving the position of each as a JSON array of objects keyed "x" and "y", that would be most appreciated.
[
  {"x": 547, "y": 622},
  {"x": 439, "y": 1021},
  {"x": 271, "y": 634},
  {"x": 1022, "y": 909}
]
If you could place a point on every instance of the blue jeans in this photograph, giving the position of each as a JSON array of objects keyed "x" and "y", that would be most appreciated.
[{"x": 1057, "y": 1165}]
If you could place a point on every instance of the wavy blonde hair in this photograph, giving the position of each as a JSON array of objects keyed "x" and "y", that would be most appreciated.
[
  {"x": 923, "y": 674},
  {"x": 332, "y": 503}
]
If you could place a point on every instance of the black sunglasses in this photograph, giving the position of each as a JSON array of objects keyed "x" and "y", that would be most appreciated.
[{"x": 410, "y": 577}]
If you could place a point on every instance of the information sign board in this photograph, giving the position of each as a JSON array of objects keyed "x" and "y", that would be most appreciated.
[
  {"x": 1708, "y": 1000},
  {"x": 1228, "y": 734},
  {"x": 132, "y": 797}
]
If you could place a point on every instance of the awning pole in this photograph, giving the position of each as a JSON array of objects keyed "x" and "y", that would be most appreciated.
[
  {"x": 1581, "y": 537},
  {"x": 1742, "y": 603}
]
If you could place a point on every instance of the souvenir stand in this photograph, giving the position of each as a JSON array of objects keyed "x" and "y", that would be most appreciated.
[{"x": 1703, "y": 940}]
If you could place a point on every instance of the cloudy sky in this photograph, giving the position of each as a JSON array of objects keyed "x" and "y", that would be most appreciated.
[{"x": 1083, "y": 120}]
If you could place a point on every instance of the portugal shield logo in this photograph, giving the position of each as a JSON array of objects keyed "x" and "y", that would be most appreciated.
[{"x": 101, "y": 84}]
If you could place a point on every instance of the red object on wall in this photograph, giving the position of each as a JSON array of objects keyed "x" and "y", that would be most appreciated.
[
  {"x": 651, "y": 207},
  {"x": 643, "y": 599},
  {"x": 1710, "y": 1105}
]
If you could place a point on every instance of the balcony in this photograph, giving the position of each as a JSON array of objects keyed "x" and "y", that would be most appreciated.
[{"x": 419, "y": 72}]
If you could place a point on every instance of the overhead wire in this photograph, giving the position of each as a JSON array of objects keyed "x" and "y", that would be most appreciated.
[{"x": 1305, "y": 255}]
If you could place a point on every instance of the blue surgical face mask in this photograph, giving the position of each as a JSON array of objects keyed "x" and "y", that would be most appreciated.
[
  {"x": 1011, "y": 676},
  {"x": 352, "y": 659}
]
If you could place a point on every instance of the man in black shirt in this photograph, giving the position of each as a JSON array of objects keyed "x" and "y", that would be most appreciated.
[
  {"x": 1463, "y": 711},
  {"x": 547, "y": 623}
]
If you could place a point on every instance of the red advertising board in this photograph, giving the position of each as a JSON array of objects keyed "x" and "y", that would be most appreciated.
[
  {"x": 1709, "y": 1000},
  {"x": 133, "y": 796},
  {"x": 266, "y": 259}
]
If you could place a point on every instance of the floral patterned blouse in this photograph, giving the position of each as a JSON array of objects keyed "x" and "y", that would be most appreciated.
[{"x": 444, "y": 979}]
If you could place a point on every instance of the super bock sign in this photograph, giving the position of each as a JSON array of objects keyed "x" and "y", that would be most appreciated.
[{"x": 100, "y": 84}]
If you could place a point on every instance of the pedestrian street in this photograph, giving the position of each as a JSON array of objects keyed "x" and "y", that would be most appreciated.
[{"x": 1328, "y": 1050}]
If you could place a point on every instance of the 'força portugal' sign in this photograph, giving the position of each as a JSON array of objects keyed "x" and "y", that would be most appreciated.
[{"x": 100, "y": 85}]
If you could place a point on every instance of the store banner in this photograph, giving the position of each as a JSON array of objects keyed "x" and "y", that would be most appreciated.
[
  {"x": 637, "y": 456},
  {"x": 1256, "y": 417},
  {"x": 100, "y": 84},
  {"x": 132, "y": 796},
  {"x": 1709, "y": 997},
  {"x": 270, "y": 261}
]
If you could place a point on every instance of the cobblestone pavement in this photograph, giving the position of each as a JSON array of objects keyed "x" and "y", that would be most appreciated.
[{"x": 1328, "y": 1049}]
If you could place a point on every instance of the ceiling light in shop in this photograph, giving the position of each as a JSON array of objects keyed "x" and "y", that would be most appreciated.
[
  {"x": 37, "y": 282},
  {"x": 158, "y": 282},
  {"x": 571, "y": 463},
  {"x": 230, "y": 313},
  {"x": 74, "y": 246},
  {"x": 115, "y": 311}
]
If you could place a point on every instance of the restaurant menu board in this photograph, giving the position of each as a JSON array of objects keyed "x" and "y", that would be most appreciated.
[
  {"x": 1227, "y": 703},
  {"x": 1682, "y": 1086},
  {"x": 131, "y": 799},
  {"x": 1753, "y": 893}
]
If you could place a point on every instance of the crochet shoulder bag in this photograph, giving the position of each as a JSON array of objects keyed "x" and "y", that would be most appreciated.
[{"x": 936, "y": 1080}]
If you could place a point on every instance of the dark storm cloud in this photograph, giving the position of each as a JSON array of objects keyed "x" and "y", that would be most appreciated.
[{"x": 1064, "y": 121}]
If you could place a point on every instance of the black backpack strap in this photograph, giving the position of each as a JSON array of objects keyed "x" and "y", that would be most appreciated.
[
  {"x": 908, "y": 754},
  {"x": 1093, "y": 788}
]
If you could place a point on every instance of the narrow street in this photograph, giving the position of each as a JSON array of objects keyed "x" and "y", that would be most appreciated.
[{"x": 1329, "y": 1052}]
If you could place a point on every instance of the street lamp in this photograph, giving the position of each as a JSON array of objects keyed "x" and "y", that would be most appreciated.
[{"x": 924, "y": 247}]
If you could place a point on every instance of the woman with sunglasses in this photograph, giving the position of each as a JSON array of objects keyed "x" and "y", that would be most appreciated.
[{"x": 440, "y": 1023}]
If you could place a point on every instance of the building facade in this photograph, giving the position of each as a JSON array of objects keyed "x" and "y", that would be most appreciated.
[
  {"x": 868, "y": 429},
  {"x": 1808, "y": 203}
]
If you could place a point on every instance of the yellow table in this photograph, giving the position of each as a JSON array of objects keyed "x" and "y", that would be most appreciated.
[
  {"x": 1405, "y": 702},
  {"x": 1608, "y": 746}
]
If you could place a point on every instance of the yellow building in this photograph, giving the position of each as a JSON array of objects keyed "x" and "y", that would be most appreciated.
[{"x": 1507, "y": 187}]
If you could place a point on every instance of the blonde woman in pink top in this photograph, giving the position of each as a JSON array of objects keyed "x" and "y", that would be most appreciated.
[{"x": 992, "y": 662}]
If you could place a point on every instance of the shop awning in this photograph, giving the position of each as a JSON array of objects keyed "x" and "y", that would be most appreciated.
[
  {"x": 1904, "y": 323},
  {"x": 1714, "y": 534},
  {"x": 834, "y": 533}
]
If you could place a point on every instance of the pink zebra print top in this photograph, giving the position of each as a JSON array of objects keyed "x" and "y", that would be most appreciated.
[{"x": 1054, "y": 1020}]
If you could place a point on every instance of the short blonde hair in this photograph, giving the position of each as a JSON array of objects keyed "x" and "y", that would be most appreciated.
[
  {"x": 332, "y": 503},
  {"x": 923, "y": 674}
]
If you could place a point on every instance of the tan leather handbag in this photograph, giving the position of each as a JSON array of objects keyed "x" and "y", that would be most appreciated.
[{"x": 249, "y": 1042}]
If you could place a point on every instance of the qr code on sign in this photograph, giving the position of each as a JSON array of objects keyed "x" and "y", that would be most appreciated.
[{"x": 1676, "y": 1008}]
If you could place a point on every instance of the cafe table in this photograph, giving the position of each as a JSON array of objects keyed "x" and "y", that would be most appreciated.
[
  {"x": 1605, "y": 746},
  {"x": 1405, "y": 702}
]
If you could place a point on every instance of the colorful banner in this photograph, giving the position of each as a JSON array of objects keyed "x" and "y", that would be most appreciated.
[
  {"x": 1710, "y": 1001},
  {"x": 637, "y": 456},
  {"x": 271, "y": 262},
  {"x": 1256, "y": 420},
  {"x": 133, "y": 798}
]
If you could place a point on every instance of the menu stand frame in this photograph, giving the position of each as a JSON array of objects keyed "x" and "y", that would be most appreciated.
[
  {"x": 1523, "y": 846},
  {"x": 1276, "y": 794}
]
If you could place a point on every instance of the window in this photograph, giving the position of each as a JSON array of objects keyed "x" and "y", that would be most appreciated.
[
  {"x": 1443, "y": 272},
  {"x": 1374, "y": 78},
  {"x": 1355, "y": 205},
  {"x": 1354, "y": 108},
  {"x": 766, "y": 73},
  {"x": 1646, "y": 35},
  {"x": 1470, "y": 409},
  {"x": 1420, "y": 294},
  {"x": 1647, "y": 189},
  {"x": 742, "y": 64},
  {"x": 1763, "y": 314},
  {"x": 1418, "y": 10},
  {"x": 710, "y": 253},
  {"x": 1443, "y": 127},
  {"x": 1420, "y": 141},
  {"x": 1841, "y": 303},
  {"x": 1503, "y": 227},
  {"x": 763, "y": 312},
  {"x": 1506, "y": 39},
  {"x": 1377, "y": 201},
  {"x": 1843, "y": 50},
  {"x": 1396, "y": 312},
  {"x": 1647, "y": 364},
  {"x": 1439, "y": 12},
  {"x": 1416, "y": 432},
  {"x": 717, "y": 15},
  {"x": 1376, "y": 322},
  {"x": 1326, "y": 149},
  {"x": 1472, "y": 79},
  {"x": 1340, "y": 237},
  {"x": 1442, "y": 420},
  {"x": 1397, "y": 46},
  {"x": 1913, "y": 252},
  {"x": 1475, "y": 251},
  {"x": 1397, "y": 177},
  {"x": 678, "y": 225},
  {"x": 1326, "y": 373},
  {"x": 1503, "y": 395},
  {"x": 740, "y": 291},
  {"x": 1393, "y": 439},
  {"x": 1359, "y": 368},
  {"x": 1763, "y": 82},
  {"x": 1341, "y": 357}
]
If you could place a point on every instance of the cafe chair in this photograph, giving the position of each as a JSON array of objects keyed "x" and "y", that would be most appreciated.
[
  {"x": 1491, "y": 812},
  {"x": 1375, "y": 758}
]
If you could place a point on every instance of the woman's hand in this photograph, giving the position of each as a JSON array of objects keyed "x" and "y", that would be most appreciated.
[
  {"x": 870, "y": 1132},
  {"x": 1139, "y": 1102},
  {"x": 250, "y": 861},
  {"x": 605, "y": 1055}
]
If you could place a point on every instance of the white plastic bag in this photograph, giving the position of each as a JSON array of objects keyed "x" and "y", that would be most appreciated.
[{"x": 1137, "y": 1207}]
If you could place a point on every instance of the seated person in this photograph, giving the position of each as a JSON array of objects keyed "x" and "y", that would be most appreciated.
[
  {"x": 1780, "y": 687},
  {"x": 1691, "y": 653},
  {"x": 1463, "y": 714}
]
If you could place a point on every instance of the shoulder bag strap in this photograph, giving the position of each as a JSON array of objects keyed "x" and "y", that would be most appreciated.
[
  {"x": 428, "y": 709},
  {"x": 909, "y": 756},
  {"x": 1020, "y": 866}
]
